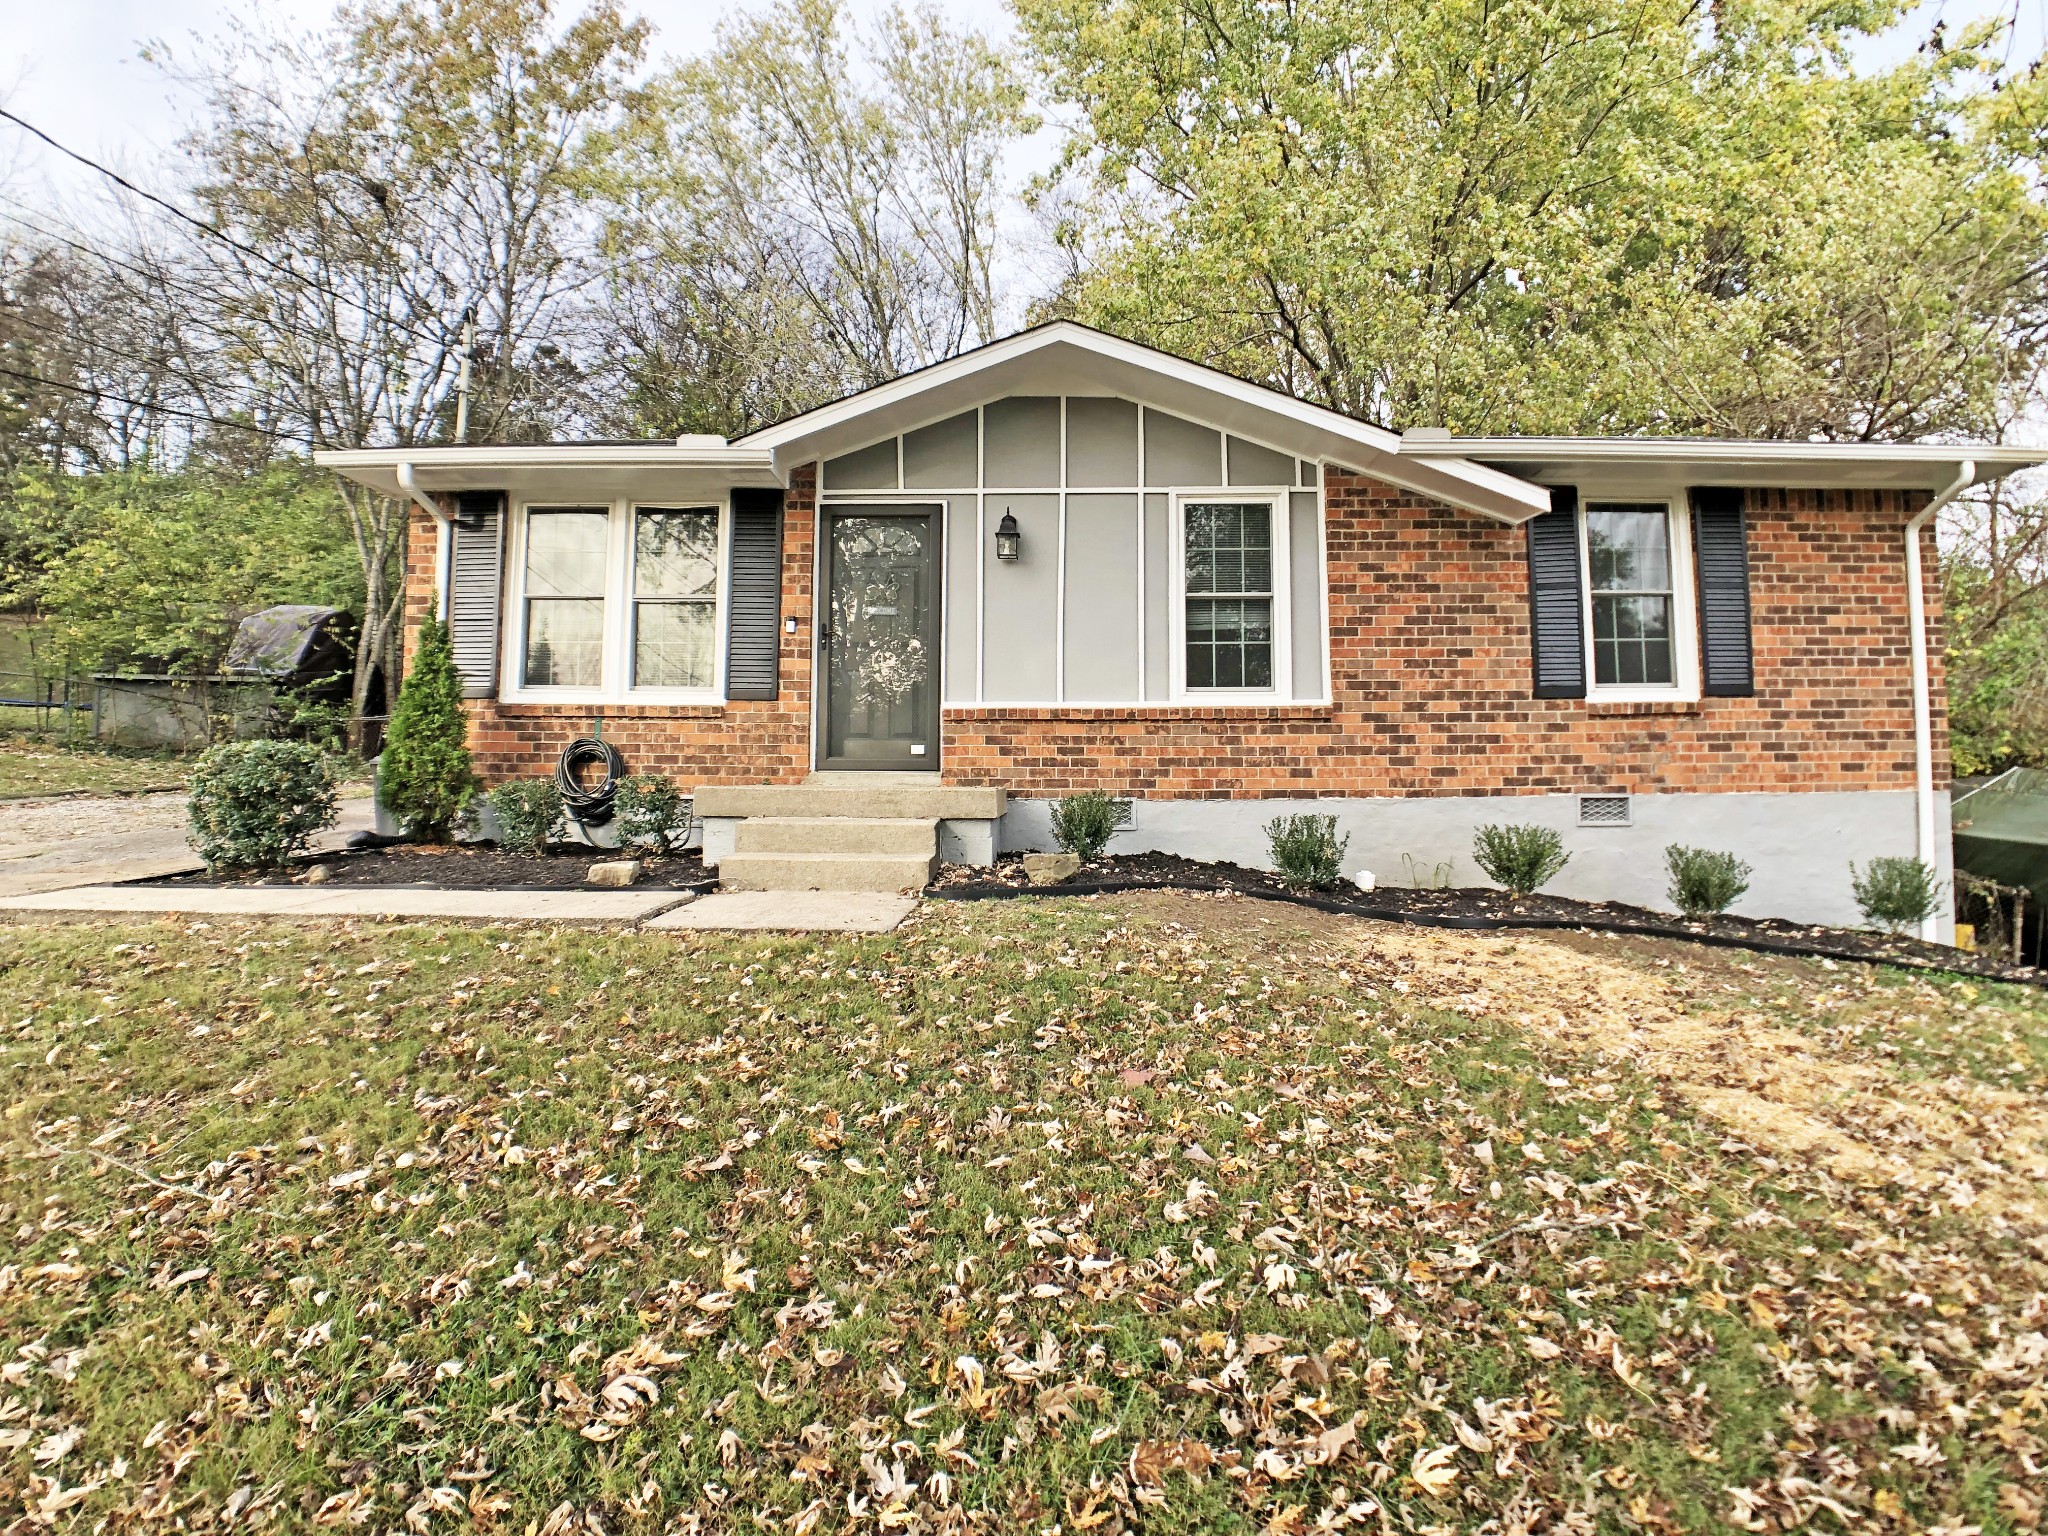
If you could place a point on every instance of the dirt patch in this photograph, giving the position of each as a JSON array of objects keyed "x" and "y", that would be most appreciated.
[
  {"x": 1963, "y": 1144},
  {"x": 1477, "y": 908},
  {"x": 471, "y": 869},
  {"x": 1665, "y": 1010}
]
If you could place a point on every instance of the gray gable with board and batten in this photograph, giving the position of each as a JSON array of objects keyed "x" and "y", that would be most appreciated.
[{"x": 1084, "y": 616}]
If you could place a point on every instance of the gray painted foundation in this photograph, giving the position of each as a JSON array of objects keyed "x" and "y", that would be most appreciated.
[{"x": 1799, "y": 845}]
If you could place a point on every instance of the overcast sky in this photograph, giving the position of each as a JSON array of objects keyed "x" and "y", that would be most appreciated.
[{"x": 73, "y": 68}]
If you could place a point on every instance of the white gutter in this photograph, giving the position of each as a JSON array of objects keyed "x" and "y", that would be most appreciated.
[
  {"x": 1923, "y": 688},
  {"x": 443, "y": 539}
]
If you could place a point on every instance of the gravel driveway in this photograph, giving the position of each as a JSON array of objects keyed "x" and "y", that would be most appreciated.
[{"x": 48, "y": 845}]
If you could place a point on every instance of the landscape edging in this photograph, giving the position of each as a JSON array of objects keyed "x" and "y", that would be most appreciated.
[{"x": 1486, "y": 924}]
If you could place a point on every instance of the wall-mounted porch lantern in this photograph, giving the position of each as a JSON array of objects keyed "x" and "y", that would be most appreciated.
[{"x": 1009, "y": 540}]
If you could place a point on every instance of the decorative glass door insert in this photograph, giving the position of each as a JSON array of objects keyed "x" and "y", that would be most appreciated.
[{"x": 881, "y": 639}]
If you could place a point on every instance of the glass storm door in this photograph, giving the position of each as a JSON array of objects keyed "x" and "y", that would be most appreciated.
[{"x": 881, "y": 639}]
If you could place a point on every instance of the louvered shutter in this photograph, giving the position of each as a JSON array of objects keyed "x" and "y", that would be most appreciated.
[
  {"x": 1557, "y": 628},
  {"x": 1721, "y": 547},
  {"x": 476, "y": 575},
  {"x": 754, "y": 605}
]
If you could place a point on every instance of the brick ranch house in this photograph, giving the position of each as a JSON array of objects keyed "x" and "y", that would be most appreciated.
[{"x": 1064, "y": 561}]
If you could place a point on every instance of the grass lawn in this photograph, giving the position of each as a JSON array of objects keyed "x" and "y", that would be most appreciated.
[
  {"x": 1166, "y": 1215},
  {"x": 32, "y": 767}
]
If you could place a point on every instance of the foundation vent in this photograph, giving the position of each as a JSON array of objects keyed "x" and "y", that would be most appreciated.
[{"x": 1603, "y": 810}]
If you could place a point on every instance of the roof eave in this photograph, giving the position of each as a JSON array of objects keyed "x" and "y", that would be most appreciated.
[
  {"x": 1845, "y": 466},
  {"x": 453, "y": 469}
]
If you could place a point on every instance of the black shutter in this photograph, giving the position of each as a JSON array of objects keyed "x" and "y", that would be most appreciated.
[
  {"x": 476, "y": 576},
  {"x": 1721, "y": 547},
  {"x": 754, "y": 606},
  {"x": 1557, "y": 626}
]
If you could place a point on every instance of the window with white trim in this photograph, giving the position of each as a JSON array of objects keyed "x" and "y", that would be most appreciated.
[
  {"x": 1637, "y": 632},
  {"x": 618, "y": 601},
  {"x": 1231, "y": 602},
  {"x": 675, "y": 597}
]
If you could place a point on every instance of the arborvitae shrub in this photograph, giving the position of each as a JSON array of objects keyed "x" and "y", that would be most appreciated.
[{"x": 425, "y": 778}]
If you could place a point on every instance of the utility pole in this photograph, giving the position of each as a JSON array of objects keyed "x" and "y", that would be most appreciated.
[{"x": 462, "y": 377}]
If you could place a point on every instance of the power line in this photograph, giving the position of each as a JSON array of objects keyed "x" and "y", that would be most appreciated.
[
  {"x": 79, "y": 245},
  {"x": 213, "y": 230},
  {"x": 167, "y": 366},
  {"x": 141, "y": 405}
]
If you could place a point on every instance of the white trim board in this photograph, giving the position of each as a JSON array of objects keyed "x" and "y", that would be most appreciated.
[{"x": 1064, "y": 358}]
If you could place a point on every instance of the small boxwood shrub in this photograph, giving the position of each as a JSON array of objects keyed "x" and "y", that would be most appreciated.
[
  {"x": 425, "y": 777},
  {"x": 257, "y": 803},
  {"x": 1307, "y": 849},
  {"x": 526, "y": 811},
  {"x": 652, "y": 811},
  {"x": 1523, "y": 859},
  {"x": 1083, "y": 824},
  {"x": 1896, "y": 892},
  {"x": 1705, "y": 881}
]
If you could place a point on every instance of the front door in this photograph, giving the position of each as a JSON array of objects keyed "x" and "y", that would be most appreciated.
[{"x": 881, "y": 638}]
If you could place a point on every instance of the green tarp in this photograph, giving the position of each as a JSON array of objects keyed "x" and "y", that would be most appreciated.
[{"x": 2001, "y": 830}]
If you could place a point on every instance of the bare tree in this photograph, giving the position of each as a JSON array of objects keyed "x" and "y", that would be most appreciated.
[
  {"x": 369, "y": 188},
  {"x": 808, "y": 209}
]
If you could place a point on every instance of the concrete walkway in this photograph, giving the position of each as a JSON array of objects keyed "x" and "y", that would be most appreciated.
[
  {"x": 738, "y": 911},
  {"x": 790, "y": 912},
  {"x": 46, "y": 845},
  {"x": 350, "y": 901}
]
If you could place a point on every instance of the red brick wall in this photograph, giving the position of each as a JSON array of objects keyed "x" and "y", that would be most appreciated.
[{"x": 1430, "y": 660}]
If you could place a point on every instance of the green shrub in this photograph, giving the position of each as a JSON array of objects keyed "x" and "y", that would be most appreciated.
[
  {"x": 1895, "y": 892},
  {"x": 1523, "y": 859},
  {"x": 1083, "y": 824},
  {"x": 526, "y": 811},
  {"x": 425, "y": 778},
  {"x": 257, "y": 803},
  {"x": 1307, "y": 849},
  {"x": 1704, "y": 881},
  {"x": 652, "y": 811}
]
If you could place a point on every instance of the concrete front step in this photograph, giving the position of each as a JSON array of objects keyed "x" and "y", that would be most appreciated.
[
  {"x": 867, "y": 796},
  {"x": 827, "y": 871},
  {"x": 837, "y": 834}
]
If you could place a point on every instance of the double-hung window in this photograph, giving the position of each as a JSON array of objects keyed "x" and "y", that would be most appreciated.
[
  {"x": 567, "y": 551},
  {"x": 1232, "y": 563},
  {"x": 1638, "y": 632},
  {"x": 618, "y": 601},
  {"x": 675, "y": 597}
]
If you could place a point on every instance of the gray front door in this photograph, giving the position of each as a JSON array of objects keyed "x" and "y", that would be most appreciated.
[{"x": 881, "y": 638}]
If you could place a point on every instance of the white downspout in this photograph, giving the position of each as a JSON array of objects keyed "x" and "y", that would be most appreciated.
[
  {"x": 1923, "y": 687},
  {"x": 443, "y": 542}
]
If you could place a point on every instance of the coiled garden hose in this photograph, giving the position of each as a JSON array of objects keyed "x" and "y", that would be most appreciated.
[{"x": 589, "y": 805}]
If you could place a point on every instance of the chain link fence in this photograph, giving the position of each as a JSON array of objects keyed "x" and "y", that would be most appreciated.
[{"x": 170, "y": 714}]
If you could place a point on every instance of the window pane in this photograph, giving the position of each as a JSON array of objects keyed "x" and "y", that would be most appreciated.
[
  {"x": 565, "y": 553},
  {"x": 1230, "y": 547},
  {"x": 675, "y": 554},
  {"x": 672, "y": 645},
  {"x": 564, "y": 643},
  {"x": 1628, "y": 548},
  {"x": 1230, "y": 642},
  {"x": 1632, "y": 640}
]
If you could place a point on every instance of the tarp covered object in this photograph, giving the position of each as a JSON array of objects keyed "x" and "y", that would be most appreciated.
[
  {"x": 294, "y": 645},
  {"x": 2001, "y": 830}
]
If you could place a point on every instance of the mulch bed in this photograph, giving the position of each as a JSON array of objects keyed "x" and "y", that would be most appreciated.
[
  {"x": 471, "y": 868},
  {"x": 1476, "y": 908}
]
